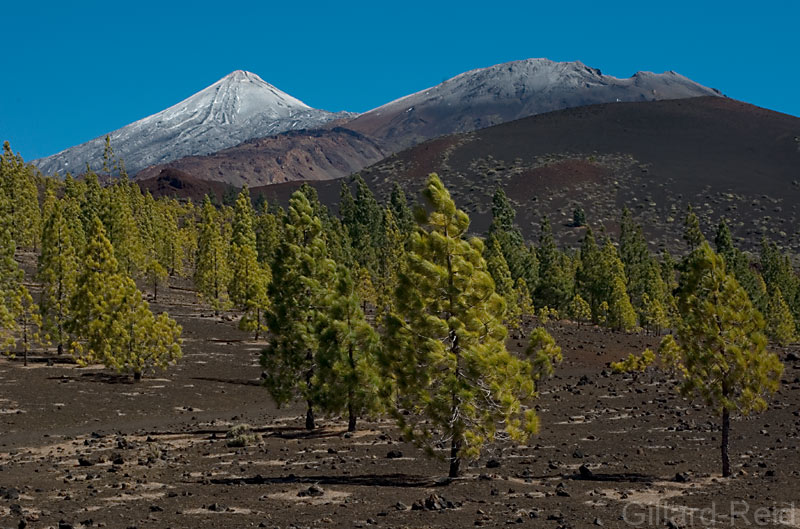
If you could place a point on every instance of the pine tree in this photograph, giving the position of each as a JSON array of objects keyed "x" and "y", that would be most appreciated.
[
  {"x": 302, "y": 275},
  {"x": 636, "y": 258},
  {"x": 578, "y": 217},
  {"x": 347, "y": 375},
  {"x": 724, "y": 241},
  {"x": 621, "y": 314},
  {"x": 365, "y": 289},
  {"x": 503, "y": 284},
  {"x": 524, "y": 300},
  {"x": 212, "y": 273},
  {"x": 111, "y": 322},
  {"x": 10, "y": 284},
  {"x": 579, "y": 310},
  {"x": 654, "y": 315},
  {"x": 780, "y": 322},
  {"x": 249, "y": 279},
  {"x": 19, "y": 184},
  {"x": 389, "y": 263},
  {"x": 692, "y": 233},
  {"x": 120, "y": 223},
  {"x": 722, "y": 352},
  {"x": 29, "y": 322},
  {"x": 588, "y": 277},
  {"x": 445, "y": 349},
  {"x": 545, "y": 355},
  {"x": 555, "y": 281},
  {"x": 268, "y": 234},
  {"x": 522, "y": 262},
  {"x": 57, "y": 267},
  {"x": 401, "y": 211},
  {"x": 778, "y": 272},
  {"x": 19, "y": 316}
]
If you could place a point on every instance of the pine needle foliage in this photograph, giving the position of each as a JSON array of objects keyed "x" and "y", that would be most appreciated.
[{"x": 453, "y": 380}]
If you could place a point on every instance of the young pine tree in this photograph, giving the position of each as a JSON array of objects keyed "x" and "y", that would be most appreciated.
[
  {"x": 249, "y": 278},
  {"x": 57, "y": 271},
  {"x": 721, "y": 348},
  {"x": 453, "y": 379},
  {"x": 579, "y": 310},
  {"x": 302, "y": 276},
  {"x": 111, "y": 322},
  {"x": 503, "y": 284},
  {"x": 780, "y": 322},
  {"x": 212, "y": 274},
  {"x": 347, "y": 375}
]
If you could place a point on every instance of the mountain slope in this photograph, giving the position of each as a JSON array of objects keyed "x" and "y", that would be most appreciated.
[
  {"x": 319, "y": 154},
  {"x": 505, "y": 92},
  {"x": 470, "y": 101},
  {"x": 727, "y": 158},
  {"x": 238, "y": 107}
]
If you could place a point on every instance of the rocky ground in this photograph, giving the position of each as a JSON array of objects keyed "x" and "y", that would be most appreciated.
[{"x": 87, "y": 448}]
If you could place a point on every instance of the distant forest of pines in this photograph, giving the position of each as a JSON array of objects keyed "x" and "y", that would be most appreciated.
[{"x": 384, "y": 308}]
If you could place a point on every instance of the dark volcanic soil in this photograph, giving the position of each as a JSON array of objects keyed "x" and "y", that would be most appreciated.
[{"x": 91, "y": 449}]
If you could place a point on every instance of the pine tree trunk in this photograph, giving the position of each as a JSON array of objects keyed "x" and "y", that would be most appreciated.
[
  {"x": 351, "y": 422},
  {"x": 310, "y": 412},
  {"x": 726, "y": 428},
  {"x": 137, "y": 376},
  {"x": 155, "y": 290},
  {"x": 310, "y": 425},
  {"x": 455, "y": 459},
  {"x": 258, "y": 321},
  {"x": 25, "y": 344}
]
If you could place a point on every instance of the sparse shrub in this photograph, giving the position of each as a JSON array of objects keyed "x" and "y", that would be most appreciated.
[
  {"x": 240, "y": 436},
  {"x": 634, "y": 363}
]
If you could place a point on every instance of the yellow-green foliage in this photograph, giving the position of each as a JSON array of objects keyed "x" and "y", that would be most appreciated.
[
  {"x": 545, "y": 314},
  {"x": 212, "y": 271},
  {"x": 579, "y": 310},
  {"x": 110, "y": 322},
  {"x": 635, "y": 363},
  {"x": 543, "y": 353},
  {"x": 445, "y": 350}
]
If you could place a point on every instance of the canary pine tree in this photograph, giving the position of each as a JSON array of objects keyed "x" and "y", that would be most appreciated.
[
  {"x": 57, "y": 271},
  {"x": 780, "y": 322},
  {"x": 721, "y": 348},
  {"x": 19, "y": 317},
  {"x": 302, "y": 274},
  {"x": 453, "y": 378},
  {"x": 19, "y": 184},
  {"x": 390, "y": 260},
  {"x": 503, "y": 284},
  {"x": 579, "y": 310},
  {"x": 110, "y": 322},
  {"x": 211, "y": 273},
  {"x": 249, "y": 279},
  {"x": 556, "y": 283},
  {"x": 347, "y": 376}
]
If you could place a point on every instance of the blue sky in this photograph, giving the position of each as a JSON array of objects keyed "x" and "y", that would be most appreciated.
[{"x": 74, "y": 72}]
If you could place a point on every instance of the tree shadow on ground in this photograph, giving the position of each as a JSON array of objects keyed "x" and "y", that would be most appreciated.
[
  {"x": 282, "y": 432},
  {"x": 236, "y": 381},
  {"x": 624, "y": 477},
  {"x": 365, "y": 480},
  {"x": 40, "y": 359},
  {"x": 104, "y": 378}
]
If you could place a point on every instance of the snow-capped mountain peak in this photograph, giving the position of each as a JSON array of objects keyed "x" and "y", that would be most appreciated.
[{"x": 238, "y": 107}]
